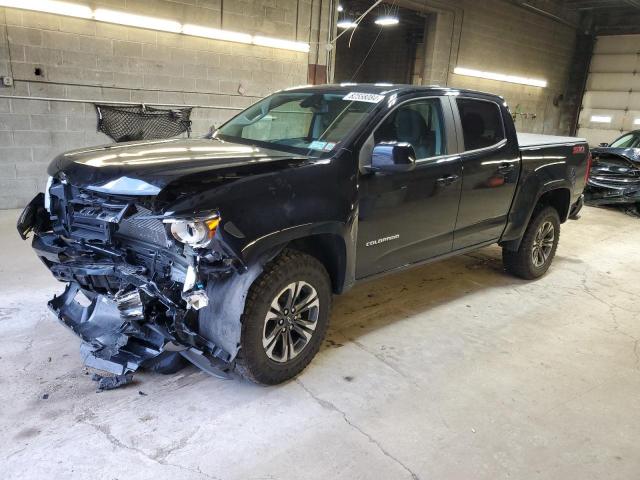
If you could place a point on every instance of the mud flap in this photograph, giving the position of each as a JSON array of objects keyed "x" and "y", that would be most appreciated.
[{"x": 109, "y": 341}]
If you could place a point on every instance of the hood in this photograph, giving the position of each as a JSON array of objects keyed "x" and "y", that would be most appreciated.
[
  {"x": 632, "y": 154},
  {"x": 145, "y": 168}
]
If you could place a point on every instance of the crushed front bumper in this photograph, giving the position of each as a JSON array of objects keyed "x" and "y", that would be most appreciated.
[
  {"x": 128, "y": 313},
  {"x": 613, "y": 179},
  {"x": 598, "y": 194}
]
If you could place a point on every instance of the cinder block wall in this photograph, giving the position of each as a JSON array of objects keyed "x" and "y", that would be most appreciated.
[
  {"x": 500, "y": 36},
  {"x": 87, "y": 60}
]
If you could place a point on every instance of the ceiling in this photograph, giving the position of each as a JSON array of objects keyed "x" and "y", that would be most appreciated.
[{"x": 599, "y": 17}]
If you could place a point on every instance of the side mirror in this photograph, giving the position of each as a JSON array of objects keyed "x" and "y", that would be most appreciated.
[
  {"x": 212, "y": 131},
  {"x": 604, "y": 144},
  {"x": 393, "y": 157}
]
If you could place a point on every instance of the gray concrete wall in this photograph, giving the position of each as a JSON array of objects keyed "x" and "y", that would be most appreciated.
[
  {"x": 98, "y": 62},
  {"x": 499, "y": 36},
  {"x": 93, "y": 61}
]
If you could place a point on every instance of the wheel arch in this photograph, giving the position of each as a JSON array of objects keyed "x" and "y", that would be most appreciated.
[
  {"x": 328, "y": 242},
  {"x": 330, "y": 250},
  {"x": 559, "y": 198}
]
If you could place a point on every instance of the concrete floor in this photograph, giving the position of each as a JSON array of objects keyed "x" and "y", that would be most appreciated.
[{"x": 450, "y": 371}]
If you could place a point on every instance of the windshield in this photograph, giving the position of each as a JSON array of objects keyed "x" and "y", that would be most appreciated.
[
  {"x": 300, "y": 122},
  {"x": 631, "y": 140}
]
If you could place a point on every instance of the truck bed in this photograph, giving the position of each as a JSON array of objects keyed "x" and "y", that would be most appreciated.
[{"x": 528, "y": 140}]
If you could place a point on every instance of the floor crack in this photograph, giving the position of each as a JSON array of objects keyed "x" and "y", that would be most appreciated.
[
  {"x": 159, "y": 458},
  {"x": 330, "y": 406}
]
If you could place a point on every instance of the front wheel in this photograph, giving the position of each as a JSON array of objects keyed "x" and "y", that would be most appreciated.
[
  {"x": 538, "y": 246},
  {"x": 285, "y": 318}
]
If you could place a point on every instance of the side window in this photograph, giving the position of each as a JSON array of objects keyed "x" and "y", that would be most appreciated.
[
  {"x": 481, "y": 123},
  {"x": 418, "y": 123}
]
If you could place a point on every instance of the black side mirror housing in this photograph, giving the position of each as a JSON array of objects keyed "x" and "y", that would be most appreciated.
[
  {"x": 604, "y": 144},
  {"x": 393, "y": 157}
]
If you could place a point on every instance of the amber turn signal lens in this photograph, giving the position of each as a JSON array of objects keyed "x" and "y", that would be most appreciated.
[{"x": 212, "y": 225}]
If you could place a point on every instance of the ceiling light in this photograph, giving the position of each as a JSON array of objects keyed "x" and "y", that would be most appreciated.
[
  {"x": 636, "y": 121},
  {"x": 216, "y": 34},
  {"x": 345, "y": 23},
  {"x": 500, "y": 77},
  {"x": 151, "y": 23},
  {"x": 600, "y": 119},
  {"x": 50, "y": 6},
  {"x": 278, "y": 43},
  {"x": 340, "y": 8},
  {"x": 387, "y": 21},
  {"x": 142, "y": 21}
]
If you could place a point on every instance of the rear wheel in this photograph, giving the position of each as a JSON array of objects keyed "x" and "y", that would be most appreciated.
[
  {"x": 538, "y": 246},
  {"x": 285, "y": 318}
]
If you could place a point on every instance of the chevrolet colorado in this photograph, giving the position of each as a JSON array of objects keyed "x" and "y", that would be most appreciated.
[{"x": 226, "y": 251}]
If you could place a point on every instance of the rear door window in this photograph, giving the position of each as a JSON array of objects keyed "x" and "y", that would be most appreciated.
[{"x": 482, "y": 124}]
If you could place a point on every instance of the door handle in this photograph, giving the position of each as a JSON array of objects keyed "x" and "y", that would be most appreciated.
[
  {"x": 506, "y": 167},
  {"x": 447, "y": 180}
]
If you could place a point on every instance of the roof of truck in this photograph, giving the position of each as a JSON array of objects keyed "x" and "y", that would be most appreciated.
[{"x": 386, "y": 88}]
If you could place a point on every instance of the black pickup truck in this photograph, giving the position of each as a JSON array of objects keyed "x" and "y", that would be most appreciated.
[{"x": 226, "y": 251}]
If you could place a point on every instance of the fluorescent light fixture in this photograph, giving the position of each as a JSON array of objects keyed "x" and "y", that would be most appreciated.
[
  {"x": 50, "y": 6},
  {"x": 216, "y": 34},
  {"x": 600, "y": 119},
  {"x": 345, "y": 24},
  {"x": 387, "y": 21},
  {"x": 142, "y": 21},
  {"x": 500, "y": 77},
  {"x": 278, "y": 43},
  {"x": 151, "y": 23}
]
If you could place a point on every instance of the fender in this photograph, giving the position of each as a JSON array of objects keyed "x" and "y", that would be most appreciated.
[
  {"x": 332, "y": 242},
  {"x": 522, "y": 213}
]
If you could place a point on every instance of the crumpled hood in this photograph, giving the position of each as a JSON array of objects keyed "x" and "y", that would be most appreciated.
[
  {"x": 632, "y": 154},
  {"x": 145, "y": 168}
]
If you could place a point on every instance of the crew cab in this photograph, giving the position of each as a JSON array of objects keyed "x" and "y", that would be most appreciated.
[{"x": 227, "y": 250}]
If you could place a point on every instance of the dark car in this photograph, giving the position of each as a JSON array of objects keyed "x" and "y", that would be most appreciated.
[
  {"x": 615, "y": 172},
  {"x": 227, "y": 250}
]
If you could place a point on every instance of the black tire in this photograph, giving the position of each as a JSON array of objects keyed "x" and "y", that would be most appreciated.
[
  {"x": 521, "y": 262},
  {"x": 166, "y": 363},
  {"x": 290, "y": 267}
]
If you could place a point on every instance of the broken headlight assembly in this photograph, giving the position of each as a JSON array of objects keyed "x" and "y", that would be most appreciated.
[{"x": 195, "y": 232}]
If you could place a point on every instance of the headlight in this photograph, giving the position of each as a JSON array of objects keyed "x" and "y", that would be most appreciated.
[{"x": 194, "y": 232}]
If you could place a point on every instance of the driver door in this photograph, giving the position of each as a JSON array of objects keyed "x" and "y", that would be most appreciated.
[{"x": 408, "y": 217}]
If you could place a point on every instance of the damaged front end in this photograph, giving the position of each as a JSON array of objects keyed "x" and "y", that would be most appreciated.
[
  {"x": 614, "y": 177},
  {"x": 134, "y": 290}
]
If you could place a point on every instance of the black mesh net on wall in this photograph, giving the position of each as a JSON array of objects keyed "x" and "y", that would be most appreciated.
[{"x": 127, "y": 123}]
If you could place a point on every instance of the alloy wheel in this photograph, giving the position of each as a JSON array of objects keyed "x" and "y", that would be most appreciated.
[
  {"x": 290, "y": 322},
  {"x": 543, "y": 244}
]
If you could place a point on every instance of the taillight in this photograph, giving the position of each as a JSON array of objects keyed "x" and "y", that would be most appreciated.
[{"x": 589, "y": 162}]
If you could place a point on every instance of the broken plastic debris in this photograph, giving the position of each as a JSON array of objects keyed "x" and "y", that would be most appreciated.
[{"x": 111, "y": 383}]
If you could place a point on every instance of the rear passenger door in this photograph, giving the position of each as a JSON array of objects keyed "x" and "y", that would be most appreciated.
[{"x": 490, "y": 170}]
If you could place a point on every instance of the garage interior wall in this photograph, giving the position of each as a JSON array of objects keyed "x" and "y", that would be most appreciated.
[
  {"x": 611, "y": 103},
  {"x": 502, "y": 37},
  {"x": 88, "y": 60}
]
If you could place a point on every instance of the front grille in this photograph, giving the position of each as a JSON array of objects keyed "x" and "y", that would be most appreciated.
[{"x": 98, "y": 218}]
